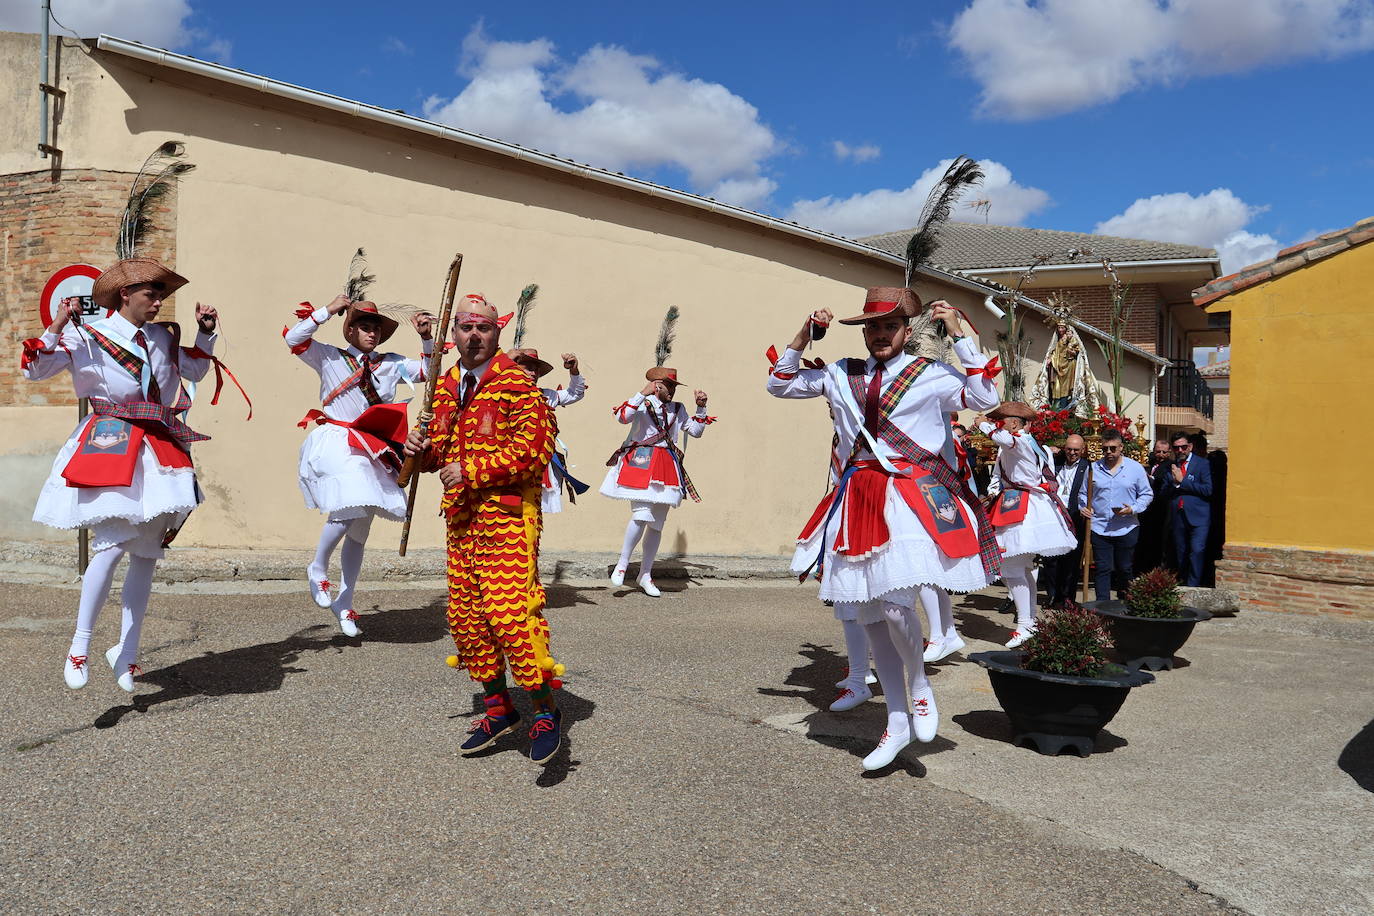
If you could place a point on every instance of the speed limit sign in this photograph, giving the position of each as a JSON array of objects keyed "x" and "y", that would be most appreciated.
[{"x": 75, "y": 280}]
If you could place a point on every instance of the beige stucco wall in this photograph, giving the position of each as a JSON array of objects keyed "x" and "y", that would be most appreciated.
[{"x": 281, "y": 198}]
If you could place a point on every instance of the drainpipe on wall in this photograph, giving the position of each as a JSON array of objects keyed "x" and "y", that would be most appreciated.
[{"x": 46, "y": 8}]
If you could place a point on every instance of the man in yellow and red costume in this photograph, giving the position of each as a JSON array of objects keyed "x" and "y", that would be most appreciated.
[{"x": 492, "y": 437}]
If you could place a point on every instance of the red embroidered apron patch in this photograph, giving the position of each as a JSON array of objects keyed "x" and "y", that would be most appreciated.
[
  {"x": 945, "y": 518},
  {"x": 1010, "y": 508},
  {"x": 645, "y": 464},
  {"x": 108, "y": 453}
]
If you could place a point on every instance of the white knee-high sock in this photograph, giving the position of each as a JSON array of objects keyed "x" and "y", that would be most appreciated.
[
  {"x": 1019, "y": 584},
  {"x": 906, "y": 636},
  {"x": 633, "y": 532},
  {"x": 930, "y": 602},
  {"x": 891, "y": 670},
  {"x": 95, "y": 588},
  {"x": 649, "y": 550},
  {"x": 856, "y": 645},
  {"x": 946, "y": 614},
  {"x": 351, "y": 561},
  {"x": 138, "y": 585},
  {"x": 329, "y": 539}
]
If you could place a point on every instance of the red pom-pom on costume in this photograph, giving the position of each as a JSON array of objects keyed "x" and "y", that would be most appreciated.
[{"x": 556, "y": 684}]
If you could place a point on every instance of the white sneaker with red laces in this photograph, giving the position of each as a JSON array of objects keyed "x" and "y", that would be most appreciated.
[
  {"x": 897, "y": 736},
  {"x": 870, "y": 679},
  {"x": 75, "y": 671},
  {"x": 943, "y": 648},
  {"x": 852, "y": 693},
  {"x": 924, "y": 714},
  {"x": 1020, "y": 635},
  {"x": 319, "y": 590},
  {"x": 125, "y": 678},
  {"x": 348, "y": 624},
  {"x": 646, "y": 584},
  {"x": 618, "y": 577}
]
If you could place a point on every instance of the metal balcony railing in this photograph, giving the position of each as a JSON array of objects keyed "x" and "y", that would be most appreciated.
[{"x": 1183, "y": 386}]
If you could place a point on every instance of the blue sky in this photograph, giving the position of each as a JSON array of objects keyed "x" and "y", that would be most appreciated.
[{"x": 1239, "y": 124}]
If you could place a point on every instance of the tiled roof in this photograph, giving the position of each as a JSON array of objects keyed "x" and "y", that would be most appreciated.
[
  {"x": 965, "y": 246},
  {"x": 1299, "y": 255},
  {"x": 1216, "y": 370}
]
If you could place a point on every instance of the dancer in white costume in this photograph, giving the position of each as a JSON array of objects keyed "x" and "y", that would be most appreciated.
[
  {"x": 648, "y": 467},
  {"x": 349, "y": 462},
  {"x": 125, "y": 472},
  {"x": 900, "y": 517},
  {"x": 1029, "y": 518},
  {"x": 556, "y": 475}
]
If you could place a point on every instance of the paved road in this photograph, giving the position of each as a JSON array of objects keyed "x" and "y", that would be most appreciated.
[{"x": 268, "y": 765}]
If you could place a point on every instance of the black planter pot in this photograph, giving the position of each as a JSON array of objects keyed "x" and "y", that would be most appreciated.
[
  {"x": 1055, "y": 711},
  {"x": 1147, "y": 642}
]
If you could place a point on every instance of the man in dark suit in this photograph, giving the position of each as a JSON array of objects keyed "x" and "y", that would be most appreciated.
[
  {"x": 1189, "y": 489},
  {"x": 1073, "y": 490}
]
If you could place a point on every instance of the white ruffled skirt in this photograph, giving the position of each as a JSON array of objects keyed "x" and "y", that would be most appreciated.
[
  {"x": 136, "y": 517},
  {"x": 342, "y": 481},
  {"x": 910, "y": 558},
  {"x": 1042, "y": 532},
  {"x": 654, "y": 493}
]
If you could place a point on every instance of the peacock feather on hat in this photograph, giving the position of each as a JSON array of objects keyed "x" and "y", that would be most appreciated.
[
  {"x": 523, "y": 305},
  {"x": 154, "y": 180},
  {"x": 667, "y": 333}
]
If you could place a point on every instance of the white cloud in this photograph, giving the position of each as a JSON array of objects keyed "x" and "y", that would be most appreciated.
[
  {"x": 886, "y": 210},
  {"x": 393, "y": 45},
  {"x": 1036, "y": 59},
  {"x": 218, "y": 50},
  {"x": 864, "y": 152},
  {"x": 1216, "y": 219},
  {"x": 160, "y": 23},
  {"x": 631, "y": 114}
]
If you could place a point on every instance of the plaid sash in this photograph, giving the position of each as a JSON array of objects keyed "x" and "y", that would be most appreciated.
[
  {"x": 988, "y": 551},
  {"x": 148, "y": 412},
  {"x": 132, "y": 363},
  {"x": 358, "y": 377}
]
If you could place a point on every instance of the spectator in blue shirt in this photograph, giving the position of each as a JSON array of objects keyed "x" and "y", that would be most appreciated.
[{"x": 1121, "y": 491}]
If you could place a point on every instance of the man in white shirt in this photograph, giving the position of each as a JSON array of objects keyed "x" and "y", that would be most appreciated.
[{"x": 1073, "y": 490}]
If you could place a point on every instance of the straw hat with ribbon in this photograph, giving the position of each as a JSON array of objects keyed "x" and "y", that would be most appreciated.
[
  {"x": 1012, "y": 409},
  {"x": 369, "y": 310},
  {"x": 130, "y": 272},
  {"x": 882, "y": 301}
]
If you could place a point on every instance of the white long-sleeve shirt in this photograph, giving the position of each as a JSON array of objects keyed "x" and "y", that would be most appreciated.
[
  {"x": 1020, "y": 459},
  {"x": 922, "y": 414},
  {"x": 96, "y": 374},
  {"x": 329, "y": 361},
  {"x": 562, "y": 397},
  {"x": 640, "y": 411}
]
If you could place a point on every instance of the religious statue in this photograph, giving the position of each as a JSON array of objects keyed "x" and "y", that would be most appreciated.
[{"x": 1065, "y": 381}]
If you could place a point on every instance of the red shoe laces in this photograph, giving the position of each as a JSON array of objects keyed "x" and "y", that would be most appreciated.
[
  {"x": 134, "y": 669},
  {"x": 542, "y": 723},
  {"x": 325, "y": 585},
  {"x": 77, "y": 661},
  {"x": 351, "y": 615}
]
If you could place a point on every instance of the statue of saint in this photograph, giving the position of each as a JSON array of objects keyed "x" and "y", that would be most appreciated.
[{"x": 1066, "y": 381}]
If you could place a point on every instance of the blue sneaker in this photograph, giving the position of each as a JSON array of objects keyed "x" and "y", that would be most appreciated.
[
  {"x": 546, "y": 735},
  {"x": 499, "y": 719}
]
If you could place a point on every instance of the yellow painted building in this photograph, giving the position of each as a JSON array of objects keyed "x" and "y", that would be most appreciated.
[{"x": 1300, "y": 511}]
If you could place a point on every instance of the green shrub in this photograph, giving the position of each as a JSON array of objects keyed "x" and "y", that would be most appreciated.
[
  {"x": 1155, "y": 594},
  {"x": 1068, "y": 641}
]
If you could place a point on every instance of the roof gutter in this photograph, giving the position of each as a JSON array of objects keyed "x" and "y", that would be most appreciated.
[
  {"x": 390, "y": 118},
  {"x": 1215, "y": 263}
]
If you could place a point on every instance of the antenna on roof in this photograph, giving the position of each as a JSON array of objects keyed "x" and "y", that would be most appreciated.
[{"x": 985, "y": 205}]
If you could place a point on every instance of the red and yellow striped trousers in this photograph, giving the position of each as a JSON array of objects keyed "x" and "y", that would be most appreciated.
[{"x": 495, "y": 599}]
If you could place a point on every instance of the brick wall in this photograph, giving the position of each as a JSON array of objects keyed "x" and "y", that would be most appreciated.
[
  {"x": 1095, "y": 308},
  {"x": 47, "y": 225},
  {"x": 1296, "y": 581},
  {"x": 1221, "y": 420}
]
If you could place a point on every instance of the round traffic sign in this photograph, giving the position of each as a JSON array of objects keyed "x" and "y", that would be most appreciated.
[{"x": 75, "y": 280}]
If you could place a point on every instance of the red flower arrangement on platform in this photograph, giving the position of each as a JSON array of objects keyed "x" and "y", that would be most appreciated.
[{"x": 1052, "y": 427}]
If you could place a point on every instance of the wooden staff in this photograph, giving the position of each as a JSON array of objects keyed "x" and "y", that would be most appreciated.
[
  {"x": 408, "y": 473},
  {"x": 1088, "y": 534}
]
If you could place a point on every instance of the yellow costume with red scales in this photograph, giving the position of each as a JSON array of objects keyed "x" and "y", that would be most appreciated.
[{"x": 503, "y": 440}]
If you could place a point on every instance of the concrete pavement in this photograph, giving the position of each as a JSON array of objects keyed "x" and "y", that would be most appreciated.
[{"x": 268, "y": 765}]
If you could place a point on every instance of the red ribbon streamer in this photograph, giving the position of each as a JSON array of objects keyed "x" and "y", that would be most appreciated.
[
  {"x": 991, "y": 370},
  {"x": 221, "y": 370}
]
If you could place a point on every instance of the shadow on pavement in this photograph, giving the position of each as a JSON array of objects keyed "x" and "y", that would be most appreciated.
[
  {"x": 816, "y": 682},
  {"x": 1357, "y": 758},
  {"x": 264, "y": 667},
  {"x": 994, "y": 725}
]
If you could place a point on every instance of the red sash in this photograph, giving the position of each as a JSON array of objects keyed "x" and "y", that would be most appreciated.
[
  {"x": 863, "y": 527},
  {"x": 646, "y": 464},
  {"x": 378, "y": 432},
  {"x": 109, "y": 449}
]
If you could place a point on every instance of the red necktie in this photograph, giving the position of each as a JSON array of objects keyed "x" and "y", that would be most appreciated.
[
  {"x": 871, "y": 397},
  {"x": 154, "y": 393},
  {"x": 1185, "y": 474},
  {"x": 469, "y": 385}
]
